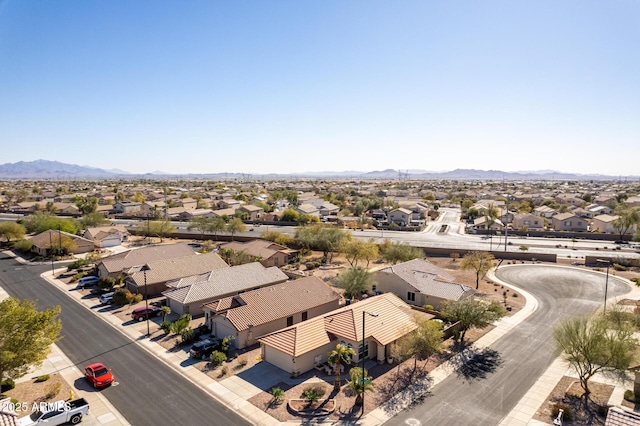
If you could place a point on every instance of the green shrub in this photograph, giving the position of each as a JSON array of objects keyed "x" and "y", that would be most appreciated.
[
  {"x": 225, "y": 344},
  {"x": 78, "y": 264},
  {"x": 428, "y": 307},
  {"x": 122, "y": 296},
  {"x": 23, "y": 245},
  {"x": 187, "y": 335},
  {"x": 166, "y": 326},
  {"x": 566, "y": 416},
  {"x": 137, "y": 298},
  {"x": 107, "y": 282},
  {"x": 42, "y": 378},
  {"x": 619, "y": 267},
  {"x": 217, "y": 358},
  {"x": 7, "y": 385},
  {"x": 277, "y": 394},
  {"x": 313, "y": 392},
  {"x": 630, "y": 396}
]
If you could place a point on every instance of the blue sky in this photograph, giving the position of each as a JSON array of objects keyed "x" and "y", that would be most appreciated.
[{"x": 293, "y": 86}]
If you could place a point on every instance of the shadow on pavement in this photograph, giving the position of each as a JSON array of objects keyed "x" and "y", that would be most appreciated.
[{"x": 474, "y": 364}]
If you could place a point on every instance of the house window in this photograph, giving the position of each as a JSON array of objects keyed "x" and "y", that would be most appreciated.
[
  {"x": 289, "y": 321},
  {"x": 275, "y": 261},
  {"x": 363, "y": 351},
  {"x": 305, "y": 315},
  {"x": 411, "y": 296}
]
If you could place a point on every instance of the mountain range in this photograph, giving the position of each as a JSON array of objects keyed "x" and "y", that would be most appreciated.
[{"x": 55, "y": 170}]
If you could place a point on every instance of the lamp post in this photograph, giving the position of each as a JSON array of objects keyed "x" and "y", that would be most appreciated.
[
  {"x": 364, "y": 340},
  {"x": 606, "y": 282},
  {"x": 51, "y": 252},
  {"x": 144, "y": 270}
]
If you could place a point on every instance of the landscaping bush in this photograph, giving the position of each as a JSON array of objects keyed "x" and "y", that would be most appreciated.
[
  {"x": 187, "y": 335},
  {"x": 314, "y": 389},
  {"x": 630, "y": 396},
  {"x": 242, "y": 361},
  {"x": 78, "y": 264},
  {"x": 42, "y": 378},
  {"x": 224, "y": 345},
  {"x": 566, "y": 416},
  {"x": 619, "y": 267},
  {"x": 137, "y": 298},
  {"x": 224, "y": 370},
  {"x": 217, "y": 358},
  {"x": 107, "y": 282},
  {"x": 277, "y": 394},
  {"x": 122, "y": 296},
  {"x": 7, "y": 385},
  {"x": 23, "y": 246},
  {"x": 166, "y": 326},
  {"x": 312, "y": 265},
  {"x": 181, "y": 323}
]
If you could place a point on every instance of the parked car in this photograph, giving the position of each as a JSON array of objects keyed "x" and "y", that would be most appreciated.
[
  {"x": 98, "y": 375},
  {"x": 204, "y": 348},
  {"x": 58, "y": 413},
  {"x": 88, "y": 281},
  {"x": 107, "y": 298},
  {"x": 141, "y": 314}
]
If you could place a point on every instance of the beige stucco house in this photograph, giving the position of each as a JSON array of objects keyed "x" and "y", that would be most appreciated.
[
  {"x": 527, "y": 221},
  {"x": 271, "y": 254},
  {"x": 419, "y": 282},
  {"x": 117, "y": 264},
  {"x": 569, "y": 222},
  {"x": 254, "y": 313},
  {"x": 303, "y": 346}
]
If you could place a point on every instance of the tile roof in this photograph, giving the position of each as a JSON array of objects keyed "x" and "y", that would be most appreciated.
[
  {"x": 393, "y": 320},
  {"x": 220, "y": 282},
  {"x": 178, "y": 267},
  {"x": 618, "y": 416},
  {"x": 274, "y": 302},
  {"x": 143, "y": 255},
  {"x": 45, "y": 238},
  {"x": 429, "y": 279},
  {"x": 258, "y": 248}
]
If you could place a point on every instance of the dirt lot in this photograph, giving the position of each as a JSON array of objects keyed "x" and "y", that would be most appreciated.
[{"x": 25, "y": 394}]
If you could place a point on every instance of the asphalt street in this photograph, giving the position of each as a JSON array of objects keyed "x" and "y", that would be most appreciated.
[
  {"x": 484, "y": 391},
  {"x": 147, "y": 392}
]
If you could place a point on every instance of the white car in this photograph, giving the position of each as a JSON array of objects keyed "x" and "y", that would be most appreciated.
[
  {"x": 107, "y": 298},
  {"x": 88, "y": 281}
]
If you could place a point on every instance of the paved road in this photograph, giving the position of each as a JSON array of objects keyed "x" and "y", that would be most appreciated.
[
  {"x": 148, "y": 392},
  {"x": 488, "y": 388}
]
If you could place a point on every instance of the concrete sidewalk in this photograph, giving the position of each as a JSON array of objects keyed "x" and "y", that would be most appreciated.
[{"x": 101, "y": 412}]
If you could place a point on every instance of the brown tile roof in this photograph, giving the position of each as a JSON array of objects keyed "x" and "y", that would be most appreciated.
[
  {"x": 45, "y": 238},
  {"x": 224, "y": 281},
  {"x": 128, "y": 259},
  {"x": 178, "y": 267},
  {"x": 429, "y": 279},
  {"x": 394, "y": 319},
  {"x": 271, "y": 303}
]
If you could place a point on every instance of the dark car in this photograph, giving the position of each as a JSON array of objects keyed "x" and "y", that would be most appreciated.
[
  {"x": 141, "y": 314},
  {"x": 204, "y": 348}
]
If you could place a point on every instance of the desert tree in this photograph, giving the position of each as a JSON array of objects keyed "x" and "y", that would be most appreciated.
[
  {"x": 354, "y": 281},
  {"x": 471, "y": 313},
  {"x": 478, "y": 261}
]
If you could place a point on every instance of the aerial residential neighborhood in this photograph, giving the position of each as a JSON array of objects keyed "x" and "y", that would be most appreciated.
[
  {"x": 293, "y": 301},
  {"x": 279, "y": 213}
]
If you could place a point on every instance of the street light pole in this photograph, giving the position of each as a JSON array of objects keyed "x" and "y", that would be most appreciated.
[
  {"x": 146, "y": 295},
  {"x": 606, "y": 282},
  {"x": 364, "y": 340}
]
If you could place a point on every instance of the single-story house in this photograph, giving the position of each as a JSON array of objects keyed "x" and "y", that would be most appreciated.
[
  {"x": 128, "y": 207},
  {"x": 254, "y": 313},
  {"x": 272, "y": 254},
  {"x": 120, "y": 263},
  {"x": 107, "y": 236},
  {"x": 55, "y": 239},
  {"x": 309, "y": 209},
  {"x": 189, "y": 294},
  {"x": 160, "y": 272},
  {"x": 420, "y": 282},
  {"x": 568, "y": 222},
  {"x": 480, "y": 223},
  {"x": 545, "y": 211},
  {"x": 301, "y": 347}
]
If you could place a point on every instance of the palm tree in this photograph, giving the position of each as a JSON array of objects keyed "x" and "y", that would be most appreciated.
[
  {"x": 164, "y": 311},
  {"x": 359, "y": 383},
  {"x": 340, "y": 355},
  {"x": 491, "y": 214}
]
